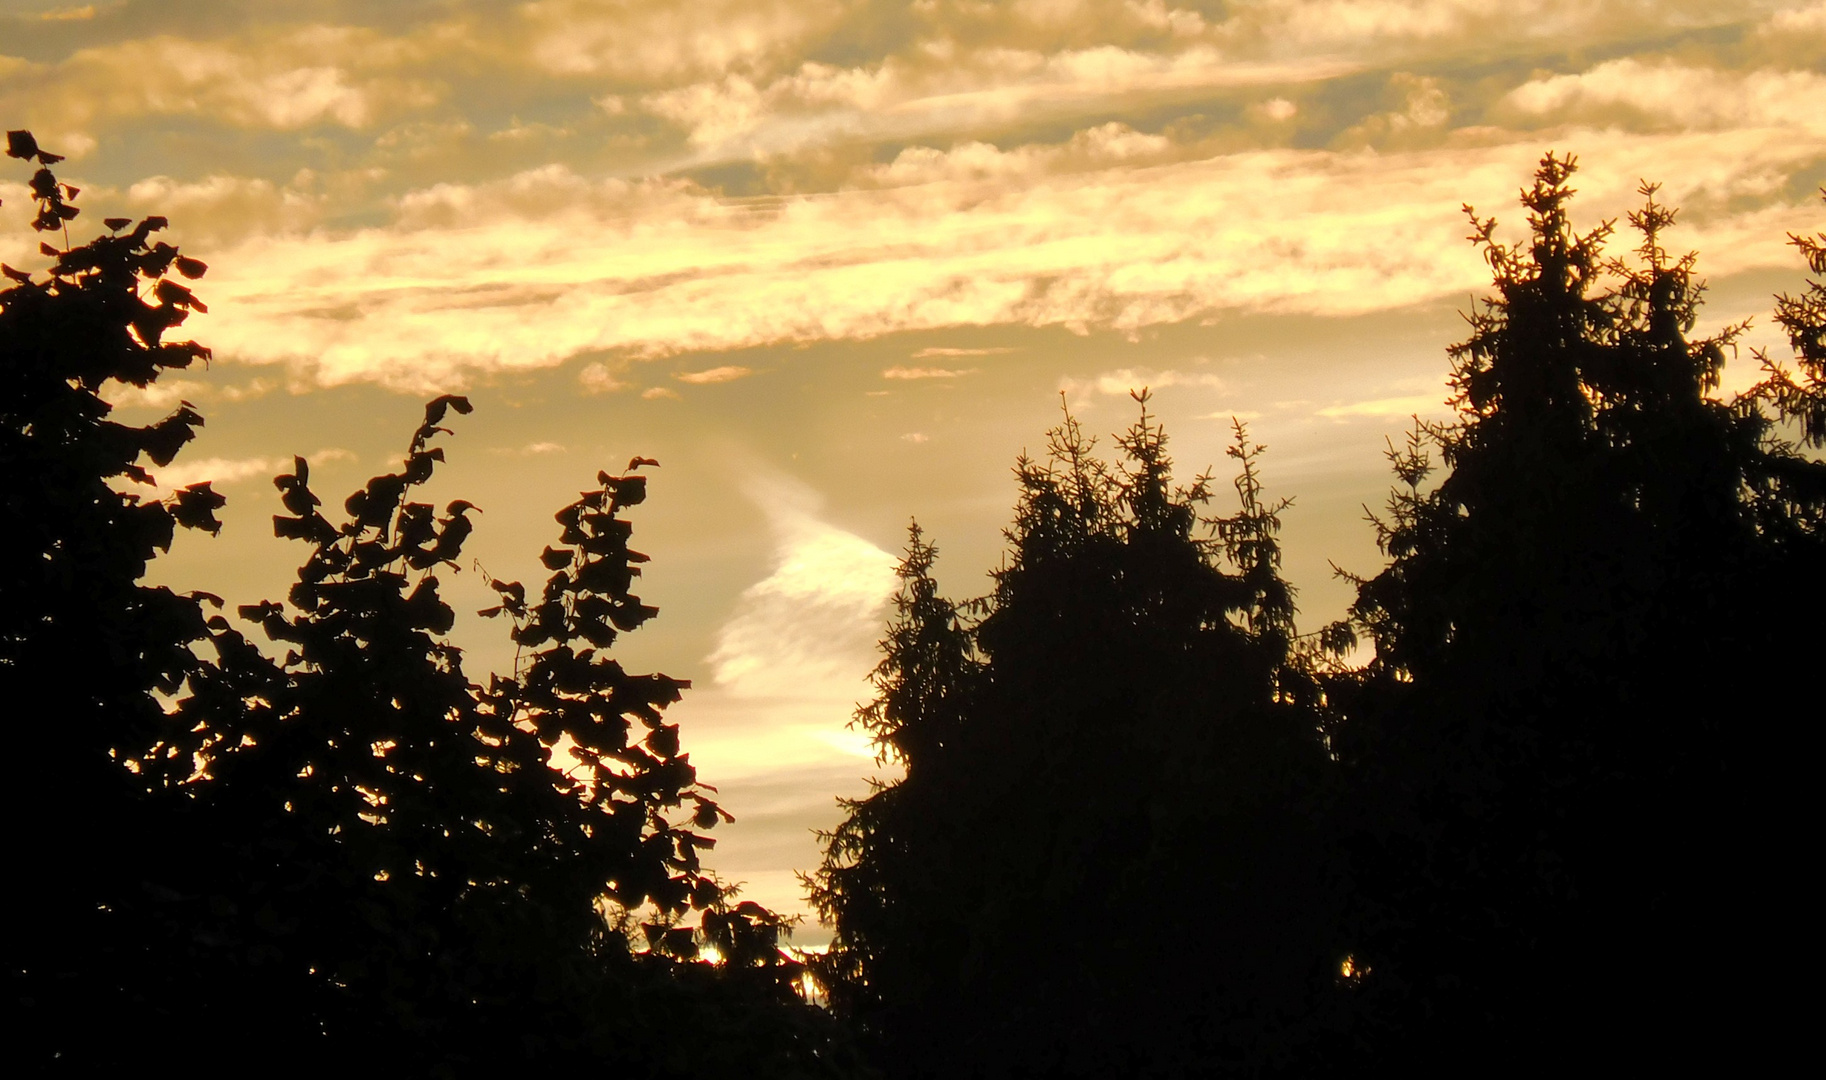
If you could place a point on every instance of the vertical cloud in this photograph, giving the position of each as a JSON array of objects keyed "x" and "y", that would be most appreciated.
[{"x": 803, "y": 635}]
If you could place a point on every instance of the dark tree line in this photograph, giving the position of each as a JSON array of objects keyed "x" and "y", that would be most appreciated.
[
  {"x": 1146, "y": 829},
  {"x": 335, "y": 851},
  {"x": 1119, "y": 744}
]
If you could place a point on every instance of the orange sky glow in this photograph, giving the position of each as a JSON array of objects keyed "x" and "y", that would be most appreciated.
[{"x": 834, "y": 262}]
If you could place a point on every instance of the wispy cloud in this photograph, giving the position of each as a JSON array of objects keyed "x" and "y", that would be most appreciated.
[
  {"x": 533, "y": 449},
  {"x": 598, "y": 379},
  {"x": 1669, "y": 94},
  {"x": 948, "y": 352},
  {"x": 1126, "y": 381},
  {"x": 799, "y": 630},
  {"x": 726, "y": 373},
  {"x": 1413, "y": 400},
  {"x": 926, "y": 373},
  {"x": 224, "y": 471},
  {"x": 283, "y": 80}
]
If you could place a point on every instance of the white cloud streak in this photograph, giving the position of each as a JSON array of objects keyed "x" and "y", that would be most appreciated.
[
  {"x": 224, "y": 471},
  {"x": 1129, "y": 381},
  {"x": 926, "y": 373},
  {"x": 712, "y": 376},
  {"x": 790, "y": 660},
  {"x": 799, "y": 632}
]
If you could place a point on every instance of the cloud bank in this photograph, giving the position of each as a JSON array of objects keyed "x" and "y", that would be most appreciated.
[{"x": 505, "y": 187}]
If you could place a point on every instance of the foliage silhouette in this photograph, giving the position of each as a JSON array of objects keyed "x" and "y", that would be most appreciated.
[
  {"x": 83, "y": 646},
  {"x": 1570, "y": 835},
  {"x": 435, "y": 878},
  {"x": 1143, "y": 827},
  {"x": 1109, "y": 852},
  {"x": 1803, "y": 398},
  {"x": 352, "y": 855}
]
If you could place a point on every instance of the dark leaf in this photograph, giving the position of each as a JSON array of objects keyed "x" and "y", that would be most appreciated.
[
  {"x": 162, "y": 441},
  {"x": 679, "y": 942},
  {"x": 20, "y": 144},
  {"x": 427, "y": 611},
  {"x": 435, "y": 408},
  {"x": 195, "y": 507},
  {"x": 172, "y": 293},
  {"x": 630, "y": 491},
  {"x": 258, "y": 612}
]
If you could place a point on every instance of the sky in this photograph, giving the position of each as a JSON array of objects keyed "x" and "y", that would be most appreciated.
[{"x": 835, "y": 264}]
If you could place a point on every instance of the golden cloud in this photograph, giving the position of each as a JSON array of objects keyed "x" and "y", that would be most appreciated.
[
  {"x": 1665, "y": 93},
  {"x": 925, "y": 373},
  {"x": 280, "y": 80},
  {"x": 656, "y": 269},
  {"x": 726, "y": 373},
  {"x": 948, "y": 351},
  {"x": 222, "y": 471}
]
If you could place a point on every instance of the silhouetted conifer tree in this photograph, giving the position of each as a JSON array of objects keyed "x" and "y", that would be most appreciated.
[
  {"x": 1108, "y": 856},
  {"x": 1802, "y": 396},
  {"x": 883, "y": 885},
  {"x": 1574, "y": 823}
]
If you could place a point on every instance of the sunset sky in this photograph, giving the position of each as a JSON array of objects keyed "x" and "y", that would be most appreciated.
[{"x": 833, "y": 262}]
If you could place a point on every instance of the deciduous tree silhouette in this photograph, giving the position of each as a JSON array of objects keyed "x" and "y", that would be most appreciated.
[
  {"x": 1575, "y": 829},
  {"x": 434, "y": 872},
  {"x": 83, "y": 645},
  {"x": 351, "y": 857},
  {"x": 1108, "y": 855}
]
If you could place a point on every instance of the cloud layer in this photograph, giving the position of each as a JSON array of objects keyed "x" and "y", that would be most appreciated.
[{"x": 509, "y": 186}]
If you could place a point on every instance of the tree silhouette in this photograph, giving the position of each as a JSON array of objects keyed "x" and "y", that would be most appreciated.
[
  {"x": 1143, "y": 827},
  {"x": 1571, "y": 828},
  {"x": 351, "y": 856},
  {"x": 1108, "y": 856},
  {"x": 436, "y": 872},
  {"x": 84, "y": 646},
  {"x": 1802, "y": 397},
  {"x": 881, "y": 883}
]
